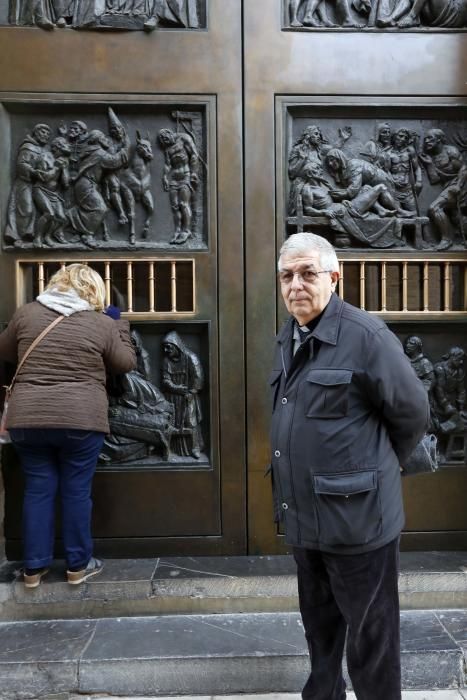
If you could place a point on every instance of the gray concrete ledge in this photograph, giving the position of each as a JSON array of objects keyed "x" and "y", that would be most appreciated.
[
  {"x": 197, "y": 585},
  {"x": 202, "y": 655}
]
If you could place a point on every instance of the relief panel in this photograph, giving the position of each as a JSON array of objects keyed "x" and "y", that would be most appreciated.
[
  {"x": 121, "y": 177},
  {"x": 377, "y": 178},
  {"x": 159, "y": 412},
  {"x": 146, "y": 15},
  {"x": 438, "y": 358},
  {"x": 396, "y": 15}
]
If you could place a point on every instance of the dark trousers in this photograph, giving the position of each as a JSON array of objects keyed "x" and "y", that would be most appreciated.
[
  {"x": 353, "y": 595},
  {"x": 57, "y": 461}
]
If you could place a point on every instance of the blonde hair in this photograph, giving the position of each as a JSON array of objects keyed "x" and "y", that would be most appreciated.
[{"x": 86, "y": 282}]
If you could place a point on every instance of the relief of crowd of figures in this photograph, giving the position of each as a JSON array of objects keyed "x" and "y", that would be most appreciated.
[
  {"x": 376, "y": 14},
  {"x": 107, "y": 14},
  {"x": 444, "y": 381},
  {"x": 162, "y": 424},
  {"x": 77, "y": 187},
  {"x": 397, "y": 188}
]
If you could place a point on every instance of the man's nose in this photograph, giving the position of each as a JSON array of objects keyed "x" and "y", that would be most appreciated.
[{"x": 297, "y": 281}]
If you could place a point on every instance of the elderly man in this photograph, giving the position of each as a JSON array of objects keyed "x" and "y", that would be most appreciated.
[{"x": 348, "y": 410}]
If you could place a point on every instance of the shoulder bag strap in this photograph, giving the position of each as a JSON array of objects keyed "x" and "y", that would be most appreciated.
[{"x": 35, "y": 342}]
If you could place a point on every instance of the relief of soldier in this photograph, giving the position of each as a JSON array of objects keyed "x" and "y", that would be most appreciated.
[
  {"x": 399, "y": 188},
  {"x": 88, "y": 188},
  {"x": 444, "y": 381},
  {"x": 94, "y": 14},
  {"x": 362, "y": 14}
]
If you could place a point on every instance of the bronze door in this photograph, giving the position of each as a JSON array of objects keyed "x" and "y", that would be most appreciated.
[
  {"x": 347, "y": 81},
  {"x": 165, "y": 231}
]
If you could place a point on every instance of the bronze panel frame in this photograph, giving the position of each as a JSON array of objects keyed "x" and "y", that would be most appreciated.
[
  {"x": 206, "y": 66},
  {"x": 398, "y": 68}
]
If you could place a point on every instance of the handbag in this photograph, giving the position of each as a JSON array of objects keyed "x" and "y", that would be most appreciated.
[
  {"x": 4, "y": 434},
  {"x": 424, "y": 458}
]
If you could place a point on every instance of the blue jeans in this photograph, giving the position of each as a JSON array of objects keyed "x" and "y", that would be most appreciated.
[{"x": 64, "y": 461}]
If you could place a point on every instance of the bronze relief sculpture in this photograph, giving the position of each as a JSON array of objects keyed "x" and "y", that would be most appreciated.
[
  {"x": 160, "y": 426},
  {"x": 404, "y": 188},
  {"x": 112, "y": 188},
  {"x": 375, "y": 14},
  {"x": 444, "y": 381},
  {"x": 108, "y": 14}
]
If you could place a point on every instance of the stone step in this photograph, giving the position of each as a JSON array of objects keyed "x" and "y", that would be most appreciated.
[
  {"x": 130, "y": 587},
  {"x": 202, "y": 654}
]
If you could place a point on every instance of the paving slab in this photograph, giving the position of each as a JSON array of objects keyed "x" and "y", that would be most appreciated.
[{"x": 41, "y": 657}]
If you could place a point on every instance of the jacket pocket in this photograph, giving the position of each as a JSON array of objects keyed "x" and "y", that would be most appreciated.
[
  {"x": 274, "y": 382},
  {"x": 348, "y": 507},
  {"x": 328, "y": 392}
]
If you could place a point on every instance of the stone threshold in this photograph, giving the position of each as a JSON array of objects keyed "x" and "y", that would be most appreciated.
[
  {"x": 198, "y": 585},
  {"x": 203, "y": 654}
]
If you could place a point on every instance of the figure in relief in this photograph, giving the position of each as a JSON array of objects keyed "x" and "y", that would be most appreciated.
[
  {"x": 444, "y": 166},
  {"x": 428, "y": 13},
  {"x": 182, "y": 380},
  {"x": 404, "y": 167},
  {"x": 52, "y": 176},
  {"x": 424, "y": 369},
  {"x": 32, "y": 12},
  {"x": 376, "y": 150},
  {"x": 349, "y": 216},
  {"x": 315, "y": 14},
  {"x": 311, "y": 145},
  {"x": 22, "y": 213},
  {"x": 112, "y": 181},
  {"x": 87, "y": 216},
  {"x": 352, "y": 174},
  {"x": 136, "y": 185},
  {"x": 449, "y": 404},
  {"x": 180, "y": 179}
]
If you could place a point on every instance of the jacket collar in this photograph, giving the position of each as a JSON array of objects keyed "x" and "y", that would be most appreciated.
[{"x": 327, "y": 329}]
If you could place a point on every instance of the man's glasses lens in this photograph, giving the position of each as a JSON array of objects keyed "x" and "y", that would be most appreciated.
[{"x": 286, "y": 276}]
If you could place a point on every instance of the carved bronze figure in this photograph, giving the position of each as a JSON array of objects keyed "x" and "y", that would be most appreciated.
[
  {"x": 180, "y": 179},
  {"x": 27, "y": 194},
  {"x": 405, "y": 170},
  {"x": 182, "y": 380},
  {"x": 444, "y": 166},
  {"x": 87, "y": 216},
  {"x": 136, "y": 185}
]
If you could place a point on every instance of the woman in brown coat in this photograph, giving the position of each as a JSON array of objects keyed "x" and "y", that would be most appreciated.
[{"x": 57, "y": 414}]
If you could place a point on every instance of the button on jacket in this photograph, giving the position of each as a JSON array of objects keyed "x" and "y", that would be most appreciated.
[{"x": 348, "y": 410}]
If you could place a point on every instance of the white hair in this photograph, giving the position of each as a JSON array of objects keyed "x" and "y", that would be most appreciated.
[{"x": 307, "y": 243}]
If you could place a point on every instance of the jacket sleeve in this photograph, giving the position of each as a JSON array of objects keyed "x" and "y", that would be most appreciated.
[
  {"x": 9, "y": 343},
  {"x": 119, "y": 354},
  {"x": 397, "y": 393}
]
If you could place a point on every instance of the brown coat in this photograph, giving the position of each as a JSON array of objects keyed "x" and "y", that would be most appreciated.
[{"x": 62, "y": 382}]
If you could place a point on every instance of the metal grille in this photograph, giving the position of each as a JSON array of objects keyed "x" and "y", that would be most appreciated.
[
  {"x": 405, "y": 289},
  {"x": 146, "y": 288}
]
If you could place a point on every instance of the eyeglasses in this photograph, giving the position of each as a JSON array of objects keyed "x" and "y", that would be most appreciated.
[{"x": 306, "y": 276}]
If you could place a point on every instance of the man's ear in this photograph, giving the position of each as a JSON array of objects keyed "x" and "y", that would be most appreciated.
[{"x": 335, "y": 279}]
